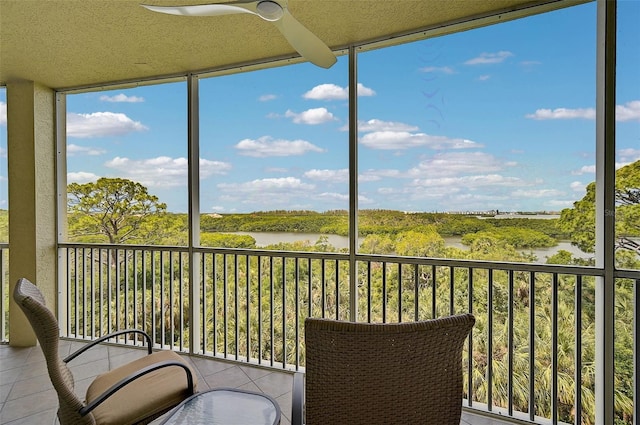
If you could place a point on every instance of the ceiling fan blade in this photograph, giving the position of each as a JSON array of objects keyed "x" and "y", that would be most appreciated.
[
  {"x": 304, "y": 41},
  {"x": 206, "y": 9}
]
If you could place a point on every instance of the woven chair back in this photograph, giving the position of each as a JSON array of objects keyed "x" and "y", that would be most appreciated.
[
  {"x": 402, "y": 373},
  {"x": 44, "y": 324}
]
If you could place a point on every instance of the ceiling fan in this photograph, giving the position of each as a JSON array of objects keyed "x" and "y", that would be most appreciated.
[{"x": 299, "y": 37}]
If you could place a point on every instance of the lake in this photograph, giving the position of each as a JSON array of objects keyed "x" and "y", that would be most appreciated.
[{"x": 269, "y": 238}]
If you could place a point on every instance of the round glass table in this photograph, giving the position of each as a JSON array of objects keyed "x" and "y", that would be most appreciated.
[{"x": 226, "y": 406}]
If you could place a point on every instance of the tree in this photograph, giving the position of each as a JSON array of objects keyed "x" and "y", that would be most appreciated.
[
  {"x": 118, "y": 209},
  {"x": 579, "y": 221}
]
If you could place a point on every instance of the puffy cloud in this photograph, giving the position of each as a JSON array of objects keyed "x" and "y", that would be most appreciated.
[
  {"x": 630, "y": 111},
  {"x": 469, "y": 182},
  {"x": 101, "y": 124},
  {"x": 3, "y": 113},
  {"x": 164, "y": 171},
  {"x": 577, "y": 186},
  {"x": 285, "y": 192},
  {"x": 379, "y": 125},
  {"x": 629, "y": 155},
  {"x": 334, "y": 92},
  {"x": 311, "y": 116},
  {"x": 267, "y": 97},
  {"x": 585, "y": 169},
  {"x": 266, "y": 146},
  {"x": 81, "y": 177},
  {"x": 122, "y": 98},
  {"x": 537, "y": 193},
  {"x": 405, "y": 140},
  {"x": 458, "y": 163},
  {"x": 341, "y": 175},
  {"x": 73, "y": 150},
  {"x": 563, "y": 114},
  {"x": 438, "y": 69},
  {"x": 489, "y": 58}
]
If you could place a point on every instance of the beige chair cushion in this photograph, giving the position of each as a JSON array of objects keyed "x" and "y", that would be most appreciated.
[{"x": 154, "y": 392}]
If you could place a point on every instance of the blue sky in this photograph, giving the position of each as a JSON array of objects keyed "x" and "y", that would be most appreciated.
[{"x": 500, "y": 117}]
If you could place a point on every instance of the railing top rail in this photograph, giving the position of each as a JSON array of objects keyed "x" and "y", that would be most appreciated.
[{"x": 341, "y": 256}]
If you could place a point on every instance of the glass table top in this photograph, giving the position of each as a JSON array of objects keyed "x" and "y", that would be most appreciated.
[{"x": 226, "y": 406}]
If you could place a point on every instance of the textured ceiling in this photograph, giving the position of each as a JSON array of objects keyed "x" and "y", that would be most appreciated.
[{"x": 75, "y": 43}]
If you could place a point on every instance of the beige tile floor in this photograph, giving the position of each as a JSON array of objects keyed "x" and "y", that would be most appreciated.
[{"x": 27, "y": 396}]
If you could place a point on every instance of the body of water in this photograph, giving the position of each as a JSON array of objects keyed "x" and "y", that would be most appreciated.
[{"x": 269, "y": 238}]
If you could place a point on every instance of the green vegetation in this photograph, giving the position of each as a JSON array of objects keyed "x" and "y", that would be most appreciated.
[{"x": 273, "y": 294}]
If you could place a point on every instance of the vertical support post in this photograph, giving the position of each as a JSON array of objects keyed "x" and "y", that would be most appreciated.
[
  {"x": 32, "y": 197},
  {"x": 195, "y": 278},
  {"x": 61, "y": 204},
  {"x": 353, "y": 184},
  {"x": 605, "y": 210}
]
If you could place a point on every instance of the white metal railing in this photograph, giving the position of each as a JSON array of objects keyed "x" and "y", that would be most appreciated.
[{"x": 530, "y": 355}]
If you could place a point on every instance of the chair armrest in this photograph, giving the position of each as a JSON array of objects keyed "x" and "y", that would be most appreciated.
[
  {"x": 104, "y": 338},
  {"x": 125, "y": 381},
  {"x": 297, "y": 399}
]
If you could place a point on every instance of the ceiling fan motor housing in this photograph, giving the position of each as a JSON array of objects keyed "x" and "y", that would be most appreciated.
[{"x": 269, "y": 10}]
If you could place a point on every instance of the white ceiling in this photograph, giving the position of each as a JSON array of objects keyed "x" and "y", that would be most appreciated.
[{"x": 76, "y": 43}]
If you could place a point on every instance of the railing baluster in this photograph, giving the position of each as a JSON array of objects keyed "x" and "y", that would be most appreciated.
[
  {"x": 225, "y": 322},
  {"x": 248, "y": 325},
  {"x": 296, "y": 321},
  {"x": 510, "y": 345},
  {"x": 271, "y": 318},
  {"x": 554, "y": 349},
  {"x": 489, "y": 372},
  {"x": 470, "y": 338},
  {"x": 259, "y": 271},
  {"x": 532, "y": 345},
  {"x": 399, "y": 292},
  {"x": 416, "y": 292},
  {"x": 384, "y": 292},
  {"x": 284, "y": 312}
]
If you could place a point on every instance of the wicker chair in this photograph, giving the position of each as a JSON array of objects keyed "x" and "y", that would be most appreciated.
[
  {"x": 361, "y": 373},
  {"x": 137, "y": 392}
]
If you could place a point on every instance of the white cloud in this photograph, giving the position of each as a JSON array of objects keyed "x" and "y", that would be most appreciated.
[
  {"x": 267, "y": 97},
  {"x": 3, "y": 113},
  {"x": 73, "y": 150},
  {"x": 458, "y": 163},
  {"x": 563, "y": 114},
  {"x": 629, "y": 155},
  {"x": 163, "y": 171},
  {"x": 3, "y": 152},
  {"x": 438, "y": 69},
  {"x": 333, "y": 196},
  {"x": 101, "y": 124},
  {"x": 489, "y": 58},
  {"x": 577, "y": 186},
  {"x": 311, "y": 116},
  {"x": 585, "y": 169},
  {"x": 379, "y": 125},
  {"x": 405, "y": 140},
  {"x": 484, "y": 77},
  {"x": 81, "y": 177},
  {"x": 630, "y": 111},
  {"x": 470, "y": 182},
  {"x": 266, "y": 146},
  {"x": 334, "y": 92},
  {"x": 537, "y": 193},
  {"x": 121, "y": 97},
  {"x": 267, "y": 193},
  {"x": 334, "y": 176}
]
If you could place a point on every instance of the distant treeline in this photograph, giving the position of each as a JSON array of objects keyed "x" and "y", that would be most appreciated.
[{"x": 372, "y": 222}]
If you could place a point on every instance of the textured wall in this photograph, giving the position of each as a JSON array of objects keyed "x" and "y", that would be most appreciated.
[{"x": 31, "y": 172}]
